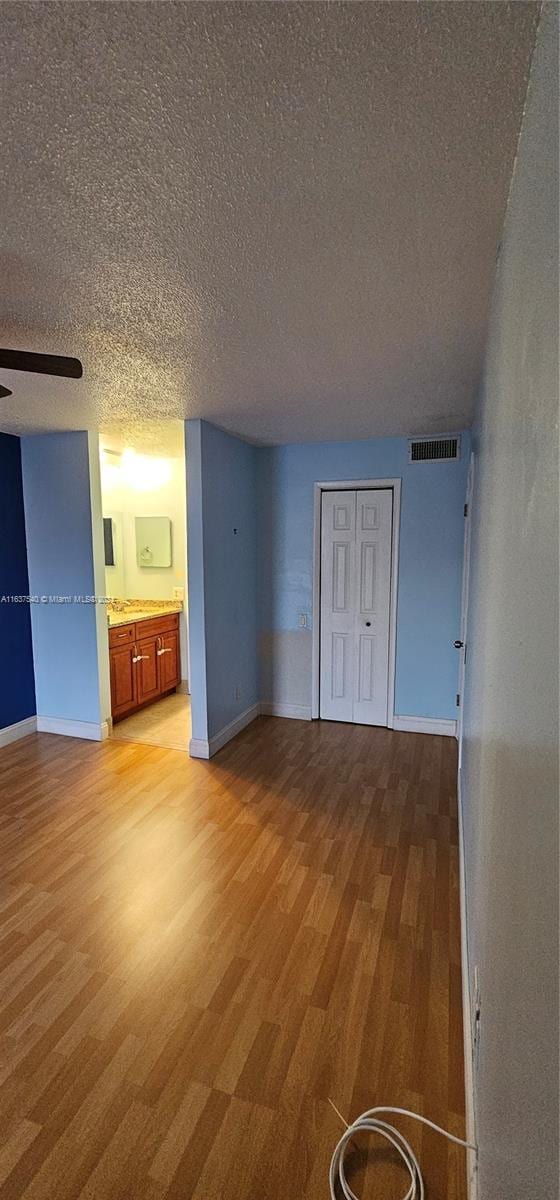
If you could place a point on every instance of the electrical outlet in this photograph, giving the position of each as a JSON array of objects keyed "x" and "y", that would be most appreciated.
[
  {"x": 179, "y": 594},
  {"x": 303, "y": 620}
]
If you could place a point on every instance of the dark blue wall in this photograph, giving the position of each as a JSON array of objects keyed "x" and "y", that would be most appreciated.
[{"x": 17, "y": 684}]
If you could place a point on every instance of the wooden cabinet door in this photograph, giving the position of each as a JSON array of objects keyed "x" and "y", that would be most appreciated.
[
  {"x": 123, "y": 679},
  {"x": 147, "y": 669},
  {"x": 170, "y": 660}
]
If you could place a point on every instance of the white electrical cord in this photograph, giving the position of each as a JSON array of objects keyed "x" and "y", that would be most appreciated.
[{"x": 369, "y": 1122}]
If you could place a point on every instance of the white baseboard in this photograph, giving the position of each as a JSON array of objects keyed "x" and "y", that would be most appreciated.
[
  {"x": 426, "y": 725},
  {"x": 198, "y": 748},
  {"x": 77, "y": 729},
  {"x": 21, "y": 729},
  {"x": 472, "y": 1167},
  {"x": 298, "y": 712}
]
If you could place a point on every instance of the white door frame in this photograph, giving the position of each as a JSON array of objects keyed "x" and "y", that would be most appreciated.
[{"x": 340, "y": 485}]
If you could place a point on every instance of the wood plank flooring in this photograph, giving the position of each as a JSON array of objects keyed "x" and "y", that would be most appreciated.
[{"x": 195, "y": 957}]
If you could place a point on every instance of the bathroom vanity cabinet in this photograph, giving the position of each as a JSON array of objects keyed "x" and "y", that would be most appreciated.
[{"x": 145, "y": 662}]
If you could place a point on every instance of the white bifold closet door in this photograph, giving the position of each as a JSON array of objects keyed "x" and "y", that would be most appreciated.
[{"x": 356, "y": 534}]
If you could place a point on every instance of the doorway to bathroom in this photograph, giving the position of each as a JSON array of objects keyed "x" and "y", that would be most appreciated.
[{"x": 143, "y": 492}]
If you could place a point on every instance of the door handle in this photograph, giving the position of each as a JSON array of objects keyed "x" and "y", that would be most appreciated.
[
  {"x": 458, "y": 644},
  {"x": 368, "y": 623}
]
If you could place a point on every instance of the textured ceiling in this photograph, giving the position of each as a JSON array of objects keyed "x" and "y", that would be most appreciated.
[
  {"x": 161, "y": 438},
  {"x": 279, "y": 216}
]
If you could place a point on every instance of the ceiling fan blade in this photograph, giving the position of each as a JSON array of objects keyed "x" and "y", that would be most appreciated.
[
  {"x": 4, "y": 392},
  {"x": 42, "y": 364}
]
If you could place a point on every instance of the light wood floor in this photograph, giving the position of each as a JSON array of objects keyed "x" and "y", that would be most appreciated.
[
  {"x": 195, "y": 956},
  {"x": 166, "y": 722}
]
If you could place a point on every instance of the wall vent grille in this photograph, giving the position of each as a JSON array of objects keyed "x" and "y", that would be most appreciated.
[{"x": 434, "y": 449}]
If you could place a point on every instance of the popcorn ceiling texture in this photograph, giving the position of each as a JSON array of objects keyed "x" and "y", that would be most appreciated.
[{"x": 280, "y": 217}]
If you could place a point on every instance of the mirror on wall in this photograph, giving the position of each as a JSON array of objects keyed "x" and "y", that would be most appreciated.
[
  {"x": 109, "y": 541},
  {"x": 153, "y": 542},
  {"x": 114, "y": 556}
]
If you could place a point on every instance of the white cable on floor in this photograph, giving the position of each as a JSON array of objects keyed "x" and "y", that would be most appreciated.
[{"x": 369, "y": 1122}]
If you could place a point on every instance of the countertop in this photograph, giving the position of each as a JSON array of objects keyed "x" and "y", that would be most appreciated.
[{"x": 138, "y": 613}]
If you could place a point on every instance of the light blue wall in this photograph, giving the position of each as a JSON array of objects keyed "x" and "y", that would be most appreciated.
[
  {"x": 509, "y": 775},
  {"x": 195, "y": 579},
  {"x": 56, "y": 488},
  {"x": 222, "y": 571},
  {"x": 430, "y": 569}
]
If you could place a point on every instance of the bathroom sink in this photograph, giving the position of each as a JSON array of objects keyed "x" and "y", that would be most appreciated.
[{"x": 137, "y": 613}]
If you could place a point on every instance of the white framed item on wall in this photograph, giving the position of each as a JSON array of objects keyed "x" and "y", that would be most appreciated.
[{"x": 153, "y": 542}]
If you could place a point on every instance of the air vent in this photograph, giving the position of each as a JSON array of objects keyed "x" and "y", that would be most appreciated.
[{"x": 434, "y": 449}]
